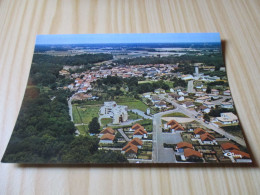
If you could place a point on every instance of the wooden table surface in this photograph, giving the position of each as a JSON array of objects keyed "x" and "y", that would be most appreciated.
[{"x": 238, "y": 22}]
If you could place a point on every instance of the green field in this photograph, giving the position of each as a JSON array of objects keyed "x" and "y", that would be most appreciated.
[
  {"x": 133, "y": 116},
  {"x": 83, "y": 129},
  {"x": 175, "y": 114},
  {"x": 106, "y": 121},
  {"x": 84, "y": 113}
]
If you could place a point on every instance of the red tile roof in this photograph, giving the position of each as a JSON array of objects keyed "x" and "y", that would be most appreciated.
[
  {"x": 107, "y": 130},
  {"x": 184, "y": 145},
  {"x": 140, "y": 131},
  {"x": 190, "y": 152},
  {"x": 130, "y": 148},
  {"x": 199, "y": 131},
  {"x": 206, "y": 137},
  {"x": 136, "y": 126},
  {"x": 136, "y": 141},
  {"x": 229, "y": 146},
  {"x": 172, "y": 122},
  {"x": 107, "y": 136},
  {"x": 243, "y": 154}
]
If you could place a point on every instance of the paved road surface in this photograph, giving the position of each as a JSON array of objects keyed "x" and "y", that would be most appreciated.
[
  {"x": 141, "y": 113},
  {"x": 190, "y": 88},
  {"x": 161, "y": 154},
  {"x": 124, "y": 135}
]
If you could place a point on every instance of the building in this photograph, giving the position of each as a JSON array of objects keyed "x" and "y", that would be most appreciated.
[
  {"x": 192, "y": 155},
  {"x": 227, "y": 118},
  {"x": 227, "y": 92},
  {"x": 170, "y": 123},
  {"x": 107, "y": 139},
  {"x": 206, "y": 138},
  {"x": 202, "y": 99},
  {"x": 183, "y": 145},
  {"x": 159, "y": 91},
  {"x": 140, "y": 133},
  {"x": 188, "y": 104},
  {"x": 209, "y": 104},
  {"x": 204, "y": 109},
  {"x": 198, "y": 132},
  {"x": 227, "y": 147},
  {"x": 176, "y": 128},
  {"x": 161, "y": 104},
  {"x": 135, "y": 126},
  {"x": 130, "y": 150},
  {"x": 107, "y": 130},
  {"x": 215, "y": 91},
  {"x": 137, "y": 142},
  {"x": 112, "y": 110},
  {"x": 227, "y": 105}
]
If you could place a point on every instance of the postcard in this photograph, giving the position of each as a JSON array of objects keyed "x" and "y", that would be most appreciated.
[{"x": 128, "y": 98}]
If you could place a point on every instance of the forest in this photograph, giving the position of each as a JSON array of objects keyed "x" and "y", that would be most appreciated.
[{"x": 44, "y": 132}]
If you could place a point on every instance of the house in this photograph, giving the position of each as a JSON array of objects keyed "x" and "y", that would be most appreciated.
[
  {"x": 183, "y": 145},
  {"x": 176, "y": 128},
  {"x": 183, "y": 93},
  {"x": 191, "y": 154},
  {"x": 204, "y": 109},
  {"x": 227, "y": 92},
  {"x": 227, "y": 147},
  {"x": 137, "y": 142},
  {"x": 239, "y": 154},
  {"x": 206, "y": 138},
  {"x": 130, "y": 150},
  {"x": 209, "y": 104},
  {"x": 161, "y": 104},
  {"x": 107, "y": 130},
  {"x": 155, "y": 99},
  {"x": 177, "y": 97},
  {"x": 187, "y": 77},
  {"x": 140, "y": 133},
  {"x": 136, "y": 126},
  {"x": 159, "y": 91},
  {"x": 188, "y": 104},
  {"x": 227, "y": 105},
  {"x": 213, "y": 95},
  {"x": 227, "y": 118},
  {"x": 215, "y": 91},
  {"x": 170, "y": 123},
  {"x": 107, "y": 139},
  {"x": 147, "y": 95},
  {"x": 198, "y": 132},
  {"x": 202, "y": 99},
  {"x": 199, "y": 94}
]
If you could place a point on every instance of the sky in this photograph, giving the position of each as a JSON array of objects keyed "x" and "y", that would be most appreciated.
[{"x": 128, "y": 38}]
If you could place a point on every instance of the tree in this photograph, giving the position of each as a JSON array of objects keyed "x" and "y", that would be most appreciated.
[
  {"x": 206, "y": 117},
  {"x": 208, "y": 90},
  {"x": 94, "y": 126}
]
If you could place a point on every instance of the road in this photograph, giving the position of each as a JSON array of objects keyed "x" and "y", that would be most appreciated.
[
  {"x": 190, "y": 88},
  {"x": 161, "y": 154},
  {"x": 210, "y": 126},
  {"x": 124, "y": 135},
  {"x": 70, "y": 109},
  {"x": 141, "y": 113}
]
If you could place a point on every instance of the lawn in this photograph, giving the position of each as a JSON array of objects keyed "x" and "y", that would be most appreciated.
[
  {"x": 144, "y": 155},
  {"x": 84, "y": 113},
  {"x": 234, "y": 130},
  {"x": 175, "y": 114},
  {"x": 133, "y": 116},
  {"x": 135, "y": 104},
  {"x": 83, "y": 129},
  {"x": 106, "y": 121}
]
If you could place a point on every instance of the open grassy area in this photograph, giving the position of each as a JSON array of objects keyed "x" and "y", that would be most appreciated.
[
  {"x": 144, "y": 155},
  {"x": 133, "y": 116},
  {"x": 106, "y": 121},
  {"x": 147, "y": 123},
  {"x": 234, "y": 130},
  {"x": 84, "y": 113},
  {"x": 137, "y": 104},
  {"x": 175, "y": 114},
  {"x": 83, "y": 129}
]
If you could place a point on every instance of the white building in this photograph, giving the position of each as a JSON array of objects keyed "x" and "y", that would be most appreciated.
[
  {"x": 227, "y": 118},
  {"x": 112, "y": 110},
  {"x": 227, "y": 105}
]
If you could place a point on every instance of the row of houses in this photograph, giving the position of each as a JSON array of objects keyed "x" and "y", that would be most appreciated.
[
  {"x": 139, "y": 131},
  {"x": 131, "y": 148},
  {"x": 173, "y": 126},
  {"x": 230, "y": 150},
  {"x": 204, "y": 137},
  {"x": 107, "y": 136}
]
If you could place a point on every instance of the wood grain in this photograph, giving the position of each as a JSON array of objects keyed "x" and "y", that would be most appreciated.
[{"x": 238, "y": 22}]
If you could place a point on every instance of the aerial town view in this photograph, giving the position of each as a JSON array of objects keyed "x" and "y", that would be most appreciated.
[{"x": 128, "y": 98}]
